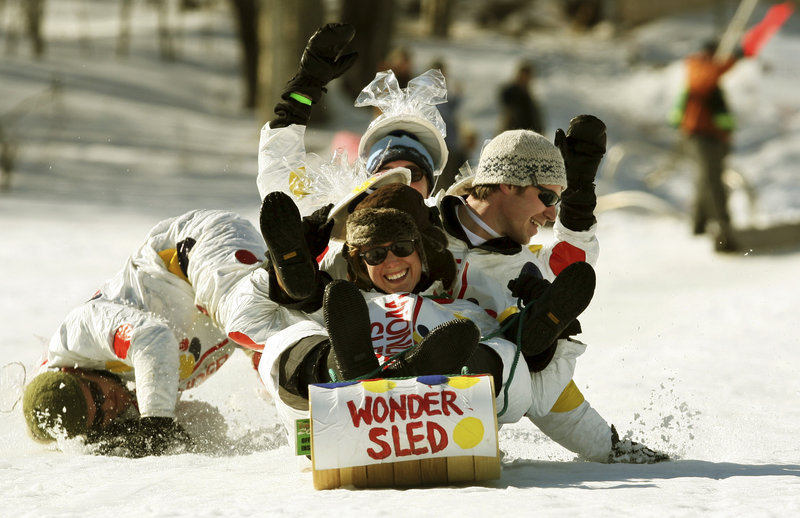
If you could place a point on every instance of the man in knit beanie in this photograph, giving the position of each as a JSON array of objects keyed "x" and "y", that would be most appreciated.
[{"x": 520, "y": 182}]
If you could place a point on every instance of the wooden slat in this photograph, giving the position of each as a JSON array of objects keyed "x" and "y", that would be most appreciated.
[
  {"x": 407, "y": 473},
  {"x": 460, "y": 469},
  {"x": 433, "y": 471},
  {"x": 355, "y": 476},
  {"x": 326, "y": 479},
  {"x": 380, "y": 475},
  {"x": 487, "y": 468}
]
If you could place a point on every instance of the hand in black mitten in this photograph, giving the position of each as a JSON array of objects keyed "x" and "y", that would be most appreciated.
[
  {"x": 139, "y": 437},
  {"x": 317, "y": 229},
  {"x": 322, "y": 60},
  {"x": 529, "y": 284},
  {"x": 582, "y": 148}
]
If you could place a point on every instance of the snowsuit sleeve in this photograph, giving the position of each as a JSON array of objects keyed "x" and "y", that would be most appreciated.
[
  {"x": 281, "y": 159},
  {"x": 134, "y": 344}
]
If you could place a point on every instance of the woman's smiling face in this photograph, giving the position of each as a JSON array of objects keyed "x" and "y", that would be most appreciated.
[{"x": 396, "y": 274}]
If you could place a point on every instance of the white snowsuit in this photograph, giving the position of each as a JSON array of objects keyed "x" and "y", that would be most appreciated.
[
  {"x": 156, "y": 322},
  {"x": 484, "y": 273}
]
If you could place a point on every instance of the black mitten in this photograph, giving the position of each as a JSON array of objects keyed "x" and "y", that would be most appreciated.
[
  {"x": 529, "y": 284},
  {"x": 317, "y": 229},
  {"x": 141, "y": 437},
  {"x": 322, "y": 62},
  {"x": 582, "y": 148}
]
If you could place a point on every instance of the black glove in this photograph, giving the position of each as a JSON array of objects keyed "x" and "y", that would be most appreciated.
[
  {"x": 582, "y": 148},
  {"x": 141, "y": 437},
  {"x": 322, "y": 62},
  {"x": 317, "y": 229},
  {"x": 529, "y": 284}
]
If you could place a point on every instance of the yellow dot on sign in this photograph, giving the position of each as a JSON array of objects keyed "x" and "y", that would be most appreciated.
[
  {"x": 187, "y": 366},
  {"x": 463, "y": 382},
  {"x": 379, "y": 386},
  {"x": 468, "y": 433}
]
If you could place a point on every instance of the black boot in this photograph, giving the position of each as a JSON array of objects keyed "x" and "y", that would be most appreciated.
[
  {"x": 347, "y": 320},
  {"x": 485, "y": 360},
  {"x": 548, "y": 316},
  {"x": 289, "y": 255},
  {"x": 446, "y": 349}
]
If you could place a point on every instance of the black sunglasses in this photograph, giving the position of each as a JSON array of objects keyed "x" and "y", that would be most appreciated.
[
  {"x": 548, "y": 197},
  {"x": 376, "y": 255}
]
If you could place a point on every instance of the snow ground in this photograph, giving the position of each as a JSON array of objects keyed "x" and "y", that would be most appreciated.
[{"x": 689, "y": 351}]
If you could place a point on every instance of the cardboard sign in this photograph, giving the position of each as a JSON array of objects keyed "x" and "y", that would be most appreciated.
[{"x": 388, "y": 421}]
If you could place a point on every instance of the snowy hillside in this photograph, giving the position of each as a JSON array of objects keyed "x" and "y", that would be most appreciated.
[{"x": 691, "y": 352}]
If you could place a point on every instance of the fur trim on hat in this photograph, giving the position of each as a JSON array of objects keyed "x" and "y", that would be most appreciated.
[
  {"x": 521, "y": 157},
  {"x": 371, "y": 227},
  {"x": 54, "y": 403}
]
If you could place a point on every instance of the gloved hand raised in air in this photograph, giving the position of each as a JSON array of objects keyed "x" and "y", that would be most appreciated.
[
  {"x": 322, "y": 62},
  {"x": 582, "y": 147}
]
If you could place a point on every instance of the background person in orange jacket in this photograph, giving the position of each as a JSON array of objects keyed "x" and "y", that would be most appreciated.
[{"x": 707, "y": 124}]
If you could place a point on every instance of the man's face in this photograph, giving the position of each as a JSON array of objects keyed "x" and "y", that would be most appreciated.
[
  {"x": 106, "y": 398},
  {"x": 418, "y": 180},
  {"x": 522, "y": 212}
]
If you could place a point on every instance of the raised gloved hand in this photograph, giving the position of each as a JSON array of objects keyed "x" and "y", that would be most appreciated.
[
  {"x": 582, "y": 148},
  {"x": 141, "y": 437},
  {"x": 322, "y": 62},
  {"x": 317, "y": 229}
]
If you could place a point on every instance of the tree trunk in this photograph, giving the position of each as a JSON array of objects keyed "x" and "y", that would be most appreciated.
[
  {"x": 246, "y": 14},
  {"x": 374, "y": 30},
  {"x": 283, "y": 31},
  {"x": 34, "y": 14},
  {"x": 436, "y": 16}
]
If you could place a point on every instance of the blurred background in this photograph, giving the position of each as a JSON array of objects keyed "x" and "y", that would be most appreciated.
[{"x": 100, "y": 97}]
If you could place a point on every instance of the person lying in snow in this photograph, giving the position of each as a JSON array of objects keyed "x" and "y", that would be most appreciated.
[{"x": 117, "y": 365}]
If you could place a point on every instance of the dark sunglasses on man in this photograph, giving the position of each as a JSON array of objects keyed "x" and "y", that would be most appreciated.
[
  {"x": 377, "y": 254},
  {"x": 548, "y": 197}
]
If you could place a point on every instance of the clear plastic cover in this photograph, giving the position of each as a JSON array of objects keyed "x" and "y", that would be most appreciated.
[{"x": 419, "y": 98}]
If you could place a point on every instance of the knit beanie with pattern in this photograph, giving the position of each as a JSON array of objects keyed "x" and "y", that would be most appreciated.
[{"x": 520, "y": 157}]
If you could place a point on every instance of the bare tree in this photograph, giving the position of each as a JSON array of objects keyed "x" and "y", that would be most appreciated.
[
  {"x": 284, "y": 29},
  {"x": 165, "y": 37},
  {"x": 436, "y": 15},
  {"x": 246, "y": 14},
  {"x": 374, "y": 30}
]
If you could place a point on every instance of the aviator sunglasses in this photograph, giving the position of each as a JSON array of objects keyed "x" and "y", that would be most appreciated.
[
  {"x": 376, "y": 255},
  {"x": 548, "y": 197}
]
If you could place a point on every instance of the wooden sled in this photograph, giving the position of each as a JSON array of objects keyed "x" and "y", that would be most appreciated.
[{"x": 431, "y": 430}]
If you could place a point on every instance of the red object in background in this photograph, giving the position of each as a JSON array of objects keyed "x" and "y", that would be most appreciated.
[{"x": 755, "y": 39}]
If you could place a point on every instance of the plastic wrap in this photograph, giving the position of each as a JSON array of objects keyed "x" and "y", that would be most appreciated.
[{"x": 418, "y": 99}]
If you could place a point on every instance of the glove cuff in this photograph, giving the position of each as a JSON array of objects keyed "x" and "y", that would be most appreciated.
[{"x": 577, "y": 208}]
